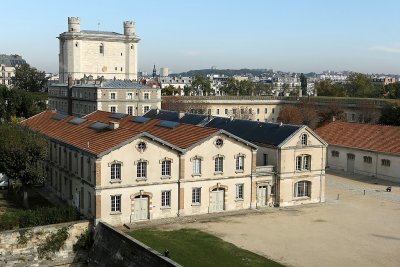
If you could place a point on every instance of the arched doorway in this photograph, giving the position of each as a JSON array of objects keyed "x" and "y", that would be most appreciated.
[{"x": 140, "y": 206}]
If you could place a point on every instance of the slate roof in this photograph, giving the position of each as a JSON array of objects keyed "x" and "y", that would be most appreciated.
[
  {"x": 373, "y": 137},
  {"x": 255, "y": 132},
  {"x": 251, "y": 131},
  {"x": 97, "y": 142},
  {"x": 117, "y": 84},
  {"x": 188, "y": 118}
]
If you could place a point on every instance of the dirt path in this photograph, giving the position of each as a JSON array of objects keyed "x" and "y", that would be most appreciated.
[{"x": 356, "y": 230}]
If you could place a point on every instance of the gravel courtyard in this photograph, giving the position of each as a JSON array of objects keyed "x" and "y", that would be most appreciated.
[{"x": 354, "y": 230}]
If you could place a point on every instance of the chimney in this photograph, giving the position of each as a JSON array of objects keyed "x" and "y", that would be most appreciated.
[
  {"x": 69, "y": 95},
  {"x": 181, "y": 114},
  {"x": 112, "y": 125},
  {"x": 157, "y": 111},
  {"x": 333, "y": 118}
]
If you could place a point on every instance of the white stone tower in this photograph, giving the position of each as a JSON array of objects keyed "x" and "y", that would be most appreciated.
[
  {"x": 104, "y": 54},
  {"x": 74, "y": 24}
]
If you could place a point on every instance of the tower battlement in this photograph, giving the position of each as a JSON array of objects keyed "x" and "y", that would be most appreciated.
[
  {"x": 129, "y": 28},
  {"x": 74, "y": 24}
]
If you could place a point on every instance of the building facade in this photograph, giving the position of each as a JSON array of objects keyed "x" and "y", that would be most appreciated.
[
  {"x": 104, "y": 54},
  {"x": 122, "y": 169},
  {"x": 115, "y": 96},
  {"x": 7, "y": 68},
  {"x": 366, "y": 149}
]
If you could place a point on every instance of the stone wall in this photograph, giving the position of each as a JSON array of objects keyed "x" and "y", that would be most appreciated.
[
  {"x": 115, "y": 248},
  {"x": 19, "y": 247}
]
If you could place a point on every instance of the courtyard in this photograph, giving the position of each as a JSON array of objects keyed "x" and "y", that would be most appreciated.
[{"x": 357, "y": 226}]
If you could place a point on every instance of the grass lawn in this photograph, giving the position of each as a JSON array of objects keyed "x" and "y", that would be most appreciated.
[{"x": 191, "y": 247}]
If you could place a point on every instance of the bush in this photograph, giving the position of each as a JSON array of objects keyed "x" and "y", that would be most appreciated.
[
  {"x": 13, "y": 219},
  {"x": 85, "y": 241}
]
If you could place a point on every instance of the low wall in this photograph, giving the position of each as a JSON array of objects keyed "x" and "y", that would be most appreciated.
[
  {"x": 112, "y": 247},
  {"x": 19, "y": 247}
]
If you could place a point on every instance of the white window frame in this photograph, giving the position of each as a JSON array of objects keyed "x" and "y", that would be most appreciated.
[
  {"x": 115, "y": 174},
  {"x": 166, "y": 199},
  {"x": 113, "y": 94},
  {"x": 141, "y": 170},
  {"x": 129, "y": 112},
  {"x": 113, "y": 107},
  {"x": 302, "y": 189},
  {"x": 196, "y": 166},
  {"x": 304, "y": 139},
  {"x": 219, "y": 164},
  {"x": 116, "y": 204},
  {"x": 239, "y": 191},
  {"x": 196, "y": 195},
  {"x": 303, "y": 163},
  {"x": 240, "y": 163},
  {"x": 146, "y": 96},
  {"x": 166, "y": 167},
  {"x": 129, "y": 96},
  {"x": 146, "y": 109}
]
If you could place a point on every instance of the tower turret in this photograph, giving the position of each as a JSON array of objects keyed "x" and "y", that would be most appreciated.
[
  {"x": 74, "y": 24},
  {"x": 129, "y": 28}
]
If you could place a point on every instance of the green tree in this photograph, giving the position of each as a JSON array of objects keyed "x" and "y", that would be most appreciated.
[
  {"x": 303, "y": 81},
  {"x": 390, "y": 115},
  {"x": 231, "y": 87},
  {"x": 29, "y": 79},
  {"x": 392, "y": 90},
  {"x": 246, "y": 87},
  {"x": 19, "y": 103},
  {"x": 360, "y": 85},
  {"x": 262, "y": 89},
  {"x": 169, "y": 90},
  {"x": 328, "y": 88},
  {"x": 201, "y": 85}
]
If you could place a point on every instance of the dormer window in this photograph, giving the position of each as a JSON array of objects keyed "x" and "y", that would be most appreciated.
[{"x": 304, "y": 139}]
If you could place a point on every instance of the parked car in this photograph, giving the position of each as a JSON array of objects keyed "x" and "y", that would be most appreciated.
[{"x": 4, "y": 184}]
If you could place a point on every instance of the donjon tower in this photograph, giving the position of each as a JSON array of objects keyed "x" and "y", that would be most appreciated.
[{"x": 94, "y": 53}]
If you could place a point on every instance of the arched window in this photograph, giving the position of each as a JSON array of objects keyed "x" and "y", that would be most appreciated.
[
  {"x": 302, "y": 189},
  {"x": 304, "y": 139}
]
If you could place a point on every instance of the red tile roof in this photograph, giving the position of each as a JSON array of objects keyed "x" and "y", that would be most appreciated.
[
  {"x": 372, "y": 137},
  {"x": 97, "y": 142}
]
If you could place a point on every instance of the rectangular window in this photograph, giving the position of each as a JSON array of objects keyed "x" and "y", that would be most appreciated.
[
  {"x": 116, "y": 203},
  {"x": 129, "y": 96},
  {"x": 239, "y": 163},
  {"x": 209, "y": 111},
  {"x": 196, "y": 166},
  {"x": 89, "y": 175},
  {"x": 273, "y": 110},
  {"x": 130, "y": 110},
  {"x": 146, "y": 108},
  {"x": 239, "y": 191},
  {"x": 113, "y": 109},
  {"x": 166, "y": 199},
  {"x": 217, "y": 111},
  {"x": 386, "y": 162},
  {"x": 226, "y": 111},
  {"x": 306, "y": 162},
  {"x": 166, "y": 168},
  {"x": 368, "y": 159},
  {"x": 219, "y": 164},
  {"x": 196, "y": 195},
  {"x": 101, "y": 49},
  {"x": 266, "y": 110},
  {"x": 142, "y": 169},
  {"x": 335, "y": 153},
  {"x": 146, "y": 96},
  {"x": 258, "y": 111},
  {"x": 298, "y": 163},
  {"x": 116, "y": 171},
  {"x": 265, "y": 159},
  {"x": 113, "y": 96},
  {"x": 82, "y": 168}
]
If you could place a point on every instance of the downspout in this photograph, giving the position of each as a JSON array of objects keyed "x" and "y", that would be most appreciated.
[
  {"x": 320, "y": 175},
  {"x": 277, "y": 178},
  {"x": 376, "y": 166},
  {"x": 179, "y": 185}
]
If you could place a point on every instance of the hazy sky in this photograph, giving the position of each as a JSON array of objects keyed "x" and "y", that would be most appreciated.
[{"x": 288, "y": 35}]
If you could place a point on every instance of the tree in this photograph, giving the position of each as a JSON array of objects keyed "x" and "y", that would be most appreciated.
[
  {"x": 19, "y": 103},
  {"x": 29, "y": 79},
  {"x": 303, "y": 81},
  {"x": 201, "y": 85},
  {"x": 231, "y": 87},
  {"x": 262, "y": 89},
  {"x": 309, "y": 115},
  {"x": 392, "y": 90},
  {"x": 169, "y": 90},
  {"x": 360, "y": 85},
  {"x": 285, "y": 88},
  {"x": 328, "y": 88},
  {"x": 390, "y": 115},
  {"x": 290, "y": 114},
  {"x": 20, "y": 154}
]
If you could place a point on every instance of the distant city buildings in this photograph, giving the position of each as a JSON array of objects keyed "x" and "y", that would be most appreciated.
[{"x": 7, "y": 68}]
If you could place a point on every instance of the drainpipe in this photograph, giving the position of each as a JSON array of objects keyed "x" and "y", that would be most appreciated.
[
  {"x": 376, "y": 166},
  {"x": 179, "y": 185},
  {"x": 277, "y": 178},
  {"x": 320, "y": 175}
]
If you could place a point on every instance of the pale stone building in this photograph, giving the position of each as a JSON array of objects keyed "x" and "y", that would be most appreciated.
[
  {"x": 7, "y": 68},
  {"x": 121, "y": 169},
  {"x": 366, "y": 149},
  {"x": 115, "y": 96},
  {"x": 104, "y": 54}
]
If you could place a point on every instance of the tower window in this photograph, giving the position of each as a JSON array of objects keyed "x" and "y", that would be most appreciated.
[{"x": 101, "y": 49}]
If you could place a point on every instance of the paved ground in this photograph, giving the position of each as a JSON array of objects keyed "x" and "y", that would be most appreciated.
[{"x": 356, "y": 230}]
